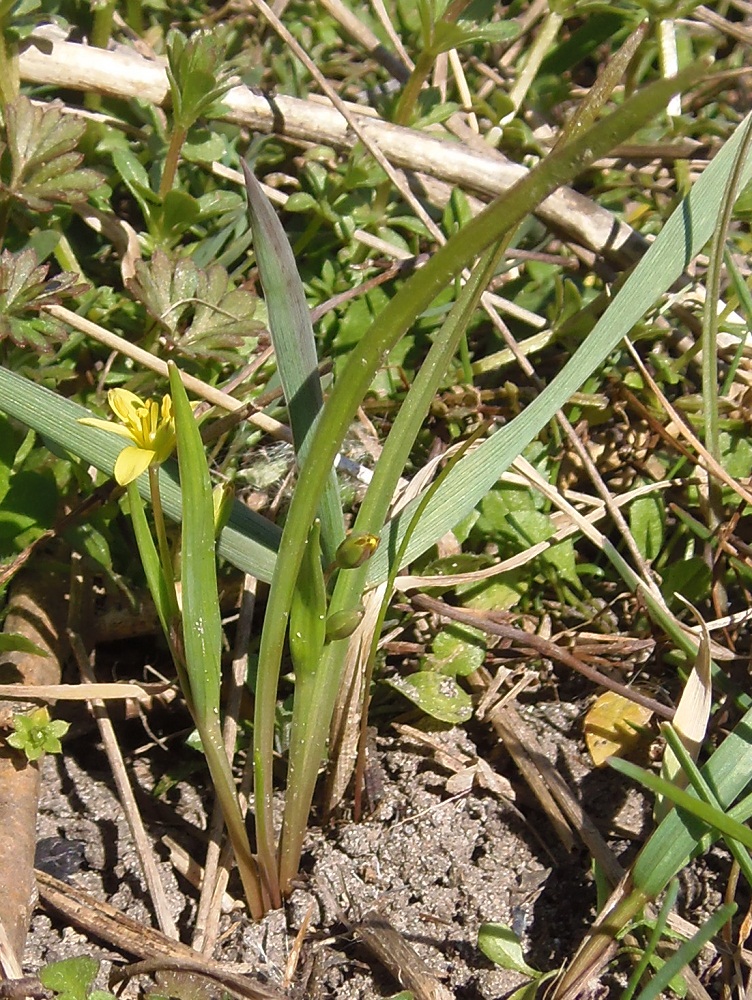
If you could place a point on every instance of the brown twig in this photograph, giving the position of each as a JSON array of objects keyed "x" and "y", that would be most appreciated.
[{"x": 124, "y": 75}]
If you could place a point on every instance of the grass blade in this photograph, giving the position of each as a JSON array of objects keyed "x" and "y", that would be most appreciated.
[
  {"x": 679, "y": 837},
  {"x": 686, "y": 952},
  {"x": 147, "y": 551},
  {"x": 294, "y": 345},
  {"x": 704, "y": 791},
  {"x": 202, "y": 629},
  {"x": 709, "y": 815},
  {"x": 202, "y": 625},
  {"x": 687, "y": 230},
  {"x": 655, "y": 936}
]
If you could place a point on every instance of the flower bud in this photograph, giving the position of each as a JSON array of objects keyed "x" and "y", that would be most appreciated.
[
  {"x": 355, "y": 550},
  {"x": 342, "y": 624}
]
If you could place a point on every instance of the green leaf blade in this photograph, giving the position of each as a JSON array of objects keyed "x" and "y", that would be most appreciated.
[
  {"x": 294, "y": 345},
  {"x": 202, "y": 626},
  {"x": 248, "y": 541}
]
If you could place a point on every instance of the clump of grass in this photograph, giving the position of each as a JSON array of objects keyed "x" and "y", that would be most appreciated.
[{"x": 181, "y": 291}]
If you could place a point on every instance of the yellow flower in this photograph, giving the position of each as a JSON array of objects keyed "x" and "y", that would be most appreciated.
[{"x": 147, "y": 424}]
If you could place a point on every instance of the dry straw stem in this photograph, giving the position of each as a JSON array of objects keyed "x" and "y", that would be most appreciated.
[
  {"x": 155, "y": 364},
  {"x": 79, "y": 692},
  {"x": 690, "y": 718},
  {"x": 201, "y": 389},
  {"x": 346, "y": 720},
  {"x": 127, "y": 798},
  {"x": 125, "y": 74},
  {"x": 78, "y": 612},
  {"x": 398, "y": 65},
  {"x": 352, "y": 120},
  {"x": 708, "y": 462},
  {"x": 187, "y": 866},
  {"x": 565, "y": 528},
  {"x": 10, "y": 966}
]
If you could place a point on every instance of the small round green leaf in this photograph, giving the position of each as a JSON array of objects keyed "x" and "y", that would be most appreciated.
[
  {"x": 437, "y": 695},
  {"x": 501, "y": 945},
  {"x": 457, "y": 651}
]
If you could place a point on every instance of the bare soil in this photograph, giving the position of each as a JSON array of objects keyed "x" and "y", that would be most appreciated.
[{"x": 435, "y": 863}]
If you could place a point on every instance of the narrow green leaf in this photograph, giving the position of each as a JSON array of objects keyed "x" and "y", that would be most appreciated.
[
  {"x": 11, "y": 643},
  {"x": 705, "y": 792},
  {"x": 294, "y": 345},
  {"x": 305, "y": 762},
  {"x": 656, "y": 934},
  {"x": 530, "y": 990},
  {"x": 587, "y": 110},
  {"x": 202, "y": 628},
  {"x": 202, "y": 625},
  {"x": 713, "y": 818},
  {"x": 692, "y": 715},
  {"x": 502, "y": 216},
  {"x": 147, "y": 551},
  {"x": 308, "y": 612},
  {"x": 687, "y": 952},
  {"x": 679, "y": 837}
]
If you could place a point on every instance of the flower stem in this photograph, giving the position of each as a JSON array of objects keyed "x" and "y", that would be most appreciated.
[
  {"x": 165, "y": 556},
  {"x": 171, "y": 161}
]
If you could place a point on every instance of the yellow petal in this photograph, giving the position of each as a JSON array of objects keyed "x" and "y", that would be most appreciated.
[
  {"x": 131, "y": 462},
  {"x": 123, "y": 403},
  {"x": 106, "y": 425}
]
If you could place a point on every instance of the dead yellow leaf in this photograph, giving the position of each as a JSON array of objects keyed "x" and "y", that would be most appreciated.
[{"x": 612, "y": 726}]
